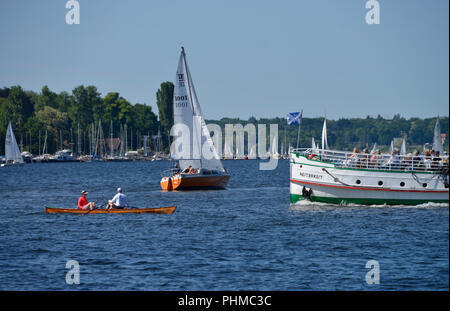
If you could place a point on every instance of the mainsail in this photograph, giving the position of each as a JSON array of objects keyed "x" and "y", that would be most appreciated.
[
  {"x": 228, "y": 152},
  {"x": 274, "y": 147},
  {"x": 186, "y": 110},
  {"x": 313, "y": 144},
  {"x": 252, "y": 153},
  {"x": 12, "y": 152},
  {"x": 324, "y": 135},
  {"x": 437, "y": 142},
  {"x": 374, "y": 148},
  {"x": 403, "y": 148}
]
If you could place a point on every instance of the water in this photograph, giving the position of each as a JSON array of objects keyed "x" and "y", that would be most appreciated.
[{"x": 247, "y": 237}]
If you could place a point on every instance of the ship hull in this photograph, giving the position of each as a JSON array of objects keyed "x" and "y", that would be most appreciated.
[{"x": 320, "y": 181}]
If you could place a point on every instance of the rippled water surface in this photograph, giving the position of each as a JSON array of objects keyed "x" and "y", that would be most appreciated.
[{"x": 247, "y": 237}]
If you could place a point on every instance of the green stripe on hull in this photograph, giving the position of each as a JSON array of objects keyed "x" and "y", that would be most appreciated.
[{"x": 296, "y": 197}]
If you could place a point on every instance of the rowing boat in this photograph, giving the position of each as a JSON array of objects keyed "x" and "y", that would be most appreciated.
[{"x": 155, "y": 210}]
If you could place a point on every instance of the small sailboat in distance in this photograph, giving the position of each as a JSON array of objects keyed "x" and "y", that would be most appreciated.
[
  {"x": 437, "y": 142},
  {"x": 12, "y": 152},
  {"x": 196, "y": 170}
]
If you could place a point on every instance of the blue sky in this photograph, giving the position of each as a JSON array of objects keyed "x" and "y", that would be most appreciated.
[{"x": 247, "y": 58}]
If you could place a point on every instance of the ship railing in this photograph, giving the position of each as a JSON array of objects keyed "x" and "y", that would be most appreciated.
[{"x": 374, "y": 161}]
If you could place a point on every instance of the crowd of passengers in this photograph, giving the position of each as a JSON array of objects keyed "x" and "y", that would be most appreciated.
[{"x": 428, "y": 160}]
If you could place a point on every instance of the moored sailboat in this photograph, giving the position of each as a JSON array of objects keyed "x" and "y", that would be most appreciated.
[
  {"x": 12, "y": 152},
  {"x": 196, "y": 170}
]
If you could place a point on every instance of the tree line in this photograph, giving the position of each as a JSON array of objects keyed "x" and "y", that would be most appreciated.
[{"x": 62, "y": 114}]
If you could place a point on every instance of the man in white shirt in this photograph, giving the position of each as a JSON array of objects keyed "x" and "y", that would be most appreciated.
[{"x": 119, "y": 201}]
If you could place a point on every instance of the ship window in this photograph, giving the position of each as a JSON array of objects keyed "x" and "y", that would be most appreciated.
[
  {"x": 424, "y": 185},
  {"x": 358, "y": 181},
  {"x": 402, "y": 184},
  {"x": 380, "y": 183}
]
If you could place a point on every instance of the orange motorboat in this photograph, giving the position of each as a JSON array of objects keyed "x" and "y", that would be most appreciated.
[{"x": 204, "y": 179}]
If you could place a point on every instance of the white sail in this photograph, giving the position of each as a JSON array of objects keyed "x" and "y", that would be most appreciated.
[
  {"x": 437, "y": 142},
  {"x": 403, "y": 148},
  {"x": 187, "y": 111},
  {"x": 274, "y": 147},
  {"x": 12, "y": 152},
  {"x": 252, "y": 153},
  {"x": 228, "y": 152},
  {"x": 324, "y": 135},
  {"x": 313, "y": 143},
  {"x": 374, "y": 148},
  {"x": 391, "y": 148}
]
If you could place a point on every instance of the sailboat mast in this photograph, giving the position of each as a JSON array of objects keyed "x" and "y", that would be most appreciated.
[
  {"x": 111, "y": 138},
  {"x": 79, "y": 139},
  {"x": 45, "y": 143},
  {"x": 126, "y": 138}
]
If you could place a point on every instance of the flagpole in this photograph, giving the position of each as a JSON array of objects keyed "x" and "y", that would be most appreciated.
[{"x": 299, "y": 124}]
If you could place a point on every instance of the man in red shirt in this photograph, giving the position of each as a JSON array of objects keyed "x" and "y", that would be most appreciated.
[{"x": 83, "y": 202}]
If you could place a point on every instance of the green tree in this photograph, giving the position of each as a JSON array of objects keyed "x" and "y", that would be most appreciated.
[
  {"x": 52, "y": 120},
  {"x": 19, "y": 107},
  {"x": 164, "y": 101},
  {"x": 144, "y": 121},
  {"x": 83, "y": 102}
]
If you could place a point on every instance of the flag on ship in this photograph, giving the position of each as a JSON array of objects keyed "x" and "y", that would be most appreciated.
[{"x": 294, "y": 118}]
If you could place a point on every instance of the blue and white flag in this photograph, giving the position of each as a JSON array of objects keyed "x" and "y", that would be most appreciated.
[{"x": 294, "y": 118}]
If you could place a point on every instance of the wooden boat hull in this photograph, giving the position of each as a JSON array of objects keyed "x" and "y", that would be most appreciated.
[
  {"x": 156, "y": 210},
  {"x": 194, "y": 182}
]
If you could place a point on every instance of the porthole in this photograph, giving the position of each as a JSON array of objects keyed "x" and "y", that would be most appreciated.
[
  {"x": 402, "y": 184},
  {"x": 380, "y": 183},
  {"x": 358, "y": 181},
  {"x": 424, "y": 185}
]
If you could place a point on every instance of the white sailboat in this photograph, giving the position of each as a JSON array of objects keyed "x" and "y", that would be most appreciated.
[
  {"x": 228, "y": 150},
  {"x": 157, "y": 156},
  {"x": 437, "y": 142},
  {"x": 12, "y": 152},
  {"x": 374, "y": 148},
  {"x": 403, "y": 148},
  {"x": 391, "y": 147},
  {"x": 198, "y": 170},
  {"x": 324, "y": 135},
  {"x": 252, "y": 153},
  {"x": 274, "y": 148}
]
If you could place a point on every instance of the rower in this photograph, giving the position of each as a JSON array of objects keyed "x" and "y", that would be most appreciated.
[
  {"x": 119, "y": 201},
  {"x": 83, "y": 202}
]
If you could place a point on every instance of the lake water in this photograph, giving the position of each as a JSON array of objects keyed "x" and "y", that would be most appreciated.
[{"x": 247, "y": 237}]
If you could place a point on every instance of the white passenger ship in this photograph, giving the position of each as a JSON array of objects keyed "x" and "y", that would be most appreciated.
[{"x": 339, "y": 177}]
